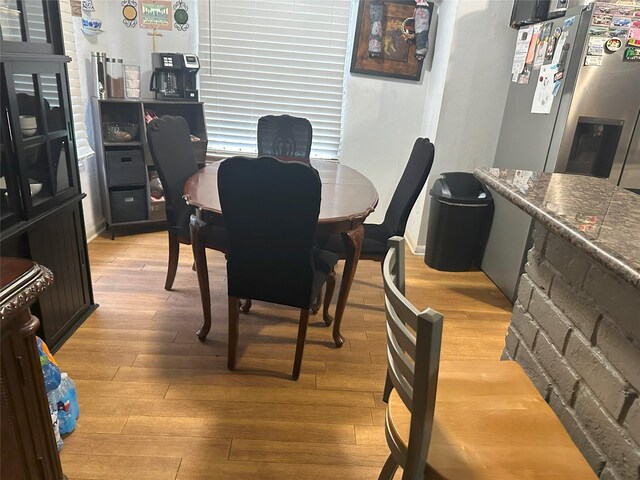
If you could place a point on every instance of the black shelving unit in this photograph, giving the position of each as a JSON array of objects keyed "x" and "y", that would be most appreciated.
[
  {"x": 41, "y": 214},
  {"x": 126, "y": 199}
]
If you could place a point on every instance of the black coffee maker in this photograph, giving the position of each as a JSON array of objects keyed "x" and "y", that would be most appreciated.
[{"x": 174, "y": 76}]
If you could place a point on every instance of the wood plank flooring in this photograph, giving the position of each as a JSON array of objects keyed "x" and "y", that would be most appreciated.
[{"x": 158, "y": 404}]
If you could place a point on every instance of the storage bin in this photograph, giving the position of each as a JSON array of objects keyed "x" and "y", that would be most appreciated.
[
  {"x": 128, "y": 205},
  {"x": 125, "y": 168},
  {"x": 156, "y": 211}
]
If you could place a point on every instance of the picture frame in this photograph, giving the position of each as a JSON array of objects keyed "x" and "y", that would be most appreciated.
[
  {"x": 156, "y": 14},
  {"x": 397, "y": 58}
]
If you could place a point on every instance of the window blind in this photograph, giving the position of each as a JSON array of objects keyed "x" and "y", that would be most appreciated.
[
  {"x": 272, "y": 57},
  {"x": 83, "y": 147}
]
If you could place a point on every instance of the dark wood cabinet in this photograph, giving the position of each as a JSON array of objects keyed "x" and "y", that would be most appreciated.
[
  {"x": 41, "y": 211},
  {"x": 126, "y": 168},
  {"x": 27, "y": 444}
]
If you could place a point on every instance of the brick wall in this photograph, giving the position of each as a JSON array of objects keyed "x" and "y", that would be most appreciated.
[{"x": 575, "y": 330}]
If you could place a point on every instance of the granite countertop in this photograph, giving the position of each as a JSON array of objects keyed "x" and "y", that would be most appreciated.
[{"x": 591, "y": 213}]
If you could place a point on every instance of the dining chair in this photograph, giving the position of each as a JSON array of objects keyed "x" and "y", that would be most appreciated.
[
  {"x": 271, "y": 222},
  {"x": 456, "y": 420},
  {"x": 284, "y": 135},
  {"x": 173, "y": 157},
  {"x": 374, "y": 244}
]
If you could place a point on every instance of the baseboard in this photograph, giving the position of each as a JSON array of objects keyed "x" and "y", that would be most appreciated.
[
  {"x": 413, "y": 244},
  {"x": 97, "y": 229}
]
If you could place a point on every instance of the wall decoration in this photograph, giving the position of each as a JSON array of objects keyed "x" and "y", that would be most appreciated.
[
  {"x": 180, "y": 15},
  {"x": 91, "y": 26},
  {"x": 76, "y": 10},
  {"x": 87, "y": 6},
  {"x": 386, "y": 36},
  {"x": 129, "y": 12},
  {"x": 155, "y": 14}
]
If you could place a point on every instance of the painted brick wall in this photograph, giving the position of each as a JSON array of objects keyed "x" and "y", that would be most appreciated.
[{"x": 575, "y": 330}]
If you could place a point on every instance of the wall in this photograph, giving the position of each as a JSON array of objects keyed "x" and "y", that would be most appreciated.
[
  {"x": 467, "y": 93},
  {"x": 457, "y": 104},
  {"x": 134, "y": 46},
  {"x": 382, "y": 117},
  {"x": 574, "y": 331}
]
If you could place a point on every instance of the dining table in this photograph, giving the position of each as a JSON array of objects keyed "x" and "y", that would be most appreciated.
[{"x": 348, "y": 197}]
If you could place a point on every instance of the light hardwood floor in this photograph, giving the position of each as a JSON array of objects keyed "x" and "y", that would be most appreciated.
[{"x": 158, "y": 404}]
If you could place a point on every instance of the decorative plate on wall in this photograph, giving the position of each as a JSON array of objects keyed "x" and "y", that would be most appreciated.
[
  {"x": 129, "y": 12},
  {"x": 180, "y": 15}
]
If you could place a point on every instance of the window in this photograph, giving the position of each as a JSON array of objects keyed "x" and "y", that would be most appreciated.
[
  {"x": 77, "y": 104},
  {"x": 265, "y": 57}
]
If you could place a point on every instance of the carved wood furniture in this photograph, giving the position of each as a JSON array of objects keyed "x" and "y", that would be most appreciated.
[
  {"x": 347, "y": 199},
  {"x": 28, "y": 446},
  {"x": 461, "y": 419}
]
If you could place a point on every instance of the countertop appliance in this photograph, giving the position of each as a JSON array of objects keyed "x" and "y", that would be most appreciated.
[
  {"x": 526, "y": 12},
  {"x": 174, "y": 76},
  {"x": 593, "y": 128}
]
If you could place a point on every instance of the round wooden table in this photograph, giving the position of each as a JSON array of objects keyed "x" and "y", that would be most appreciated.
[{"x": 347, "y": 199}]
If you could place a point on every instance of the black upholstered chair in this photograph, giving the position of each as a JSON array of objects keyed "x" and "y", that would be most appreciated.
[
  {"x": 374, "y": 245},
  {"x": 284, "y": 135},
  {"x": 271, "y": 221},
  {"x": 170, "y": 144}
]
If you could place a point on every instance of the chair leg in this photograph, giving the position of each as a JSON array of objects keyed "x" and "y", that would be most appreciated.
[
  {"x": 315, "y": 307},
  {"x": 389, "y": 469},
  {"x": 388, "y": 386},
  {"x": 246, "y": 306},
  {"x": 302, "y": 335},
  {"x": 234, "y": 314},
  {"x": 331, "y": 285},
  {"x": 174, "y": 253}
]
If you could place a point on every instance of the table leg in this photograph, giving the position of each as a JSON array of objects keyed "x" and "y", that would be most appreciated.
[
  {"x": 199, "y": 229},
  {"x": 353, "y": 244}
]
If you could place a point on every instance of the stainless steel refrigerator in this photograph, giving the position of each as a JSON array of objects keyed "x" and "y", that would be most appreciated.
[{"x": 592, "y": 128}]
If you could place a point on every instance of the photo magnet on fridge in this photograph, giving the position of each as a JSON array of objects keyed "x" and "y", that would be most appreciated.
[{"x": 632, "y": 54}]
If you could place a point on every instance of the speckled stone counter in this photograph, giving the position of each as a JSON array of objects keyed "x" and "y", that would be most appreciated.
[
  {"x": 575, "y": 327},
  {"x": 591, "y": 213}
]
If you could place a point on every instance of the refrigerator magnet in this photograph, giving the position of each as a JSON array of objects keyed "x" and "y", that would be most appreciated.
[
  {"x": 632, "y": 54},
  {"x": 613, "y": 44},
  {"x": 592, "y": 61}
]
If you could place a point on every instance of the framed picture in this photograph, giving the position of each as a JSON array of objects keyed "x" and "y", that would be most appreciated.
[
  {"x": 388, "y": 49},
  {"x": 155, "y": 14}
]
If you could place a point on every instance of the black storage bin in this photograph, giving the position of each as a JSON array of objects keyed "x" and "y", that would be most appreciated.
[
  {"x": 125, "y": 168},
  {"x": 459, "y": 220},
  {"x": 128, "y": 205}
]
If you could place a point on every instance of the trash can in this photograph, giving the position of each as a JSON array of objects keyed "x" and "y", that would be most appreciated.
[{"x": 459, "y": 221}]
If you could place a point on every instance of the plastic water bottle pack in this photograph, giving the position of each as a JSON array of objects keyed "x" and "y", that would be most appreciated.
[{"x": 61, "y": 393}]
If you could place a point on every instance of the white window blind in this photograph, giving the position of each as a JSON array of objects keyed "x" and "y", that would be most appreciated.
[
  {"x": 272, "y": 57},
  {"x": 83, "y": 147}
]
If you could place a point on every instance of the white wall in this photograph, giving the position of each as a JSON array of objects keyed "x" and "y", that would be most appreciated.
[
  {"x": 458, "y": 103},
  {"x": 473, "y": 95},
  {"x": 382, "y": 118},
  {"x": 134, "y": 46}
]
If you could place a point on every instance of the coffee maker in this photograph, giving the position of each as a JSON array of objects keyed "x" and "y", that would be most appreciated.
[{"x": 174, "y": 76}]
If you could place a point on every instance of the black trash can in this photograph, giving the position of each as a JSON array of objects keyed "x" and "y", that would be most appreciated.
[{"x": 459, "y": 221}]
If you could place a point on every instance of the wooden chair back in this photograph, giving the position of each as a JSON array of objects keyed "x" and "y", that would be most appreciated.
[{"x": 413, "y": 357}]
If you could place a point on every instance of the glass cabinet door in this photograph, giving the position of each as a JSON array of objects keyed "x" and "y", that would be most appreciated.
[
  {"x": 30, "y": 26},
  {"x": 40, "y": 121},
  {"x": 10, "y": 200}
]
